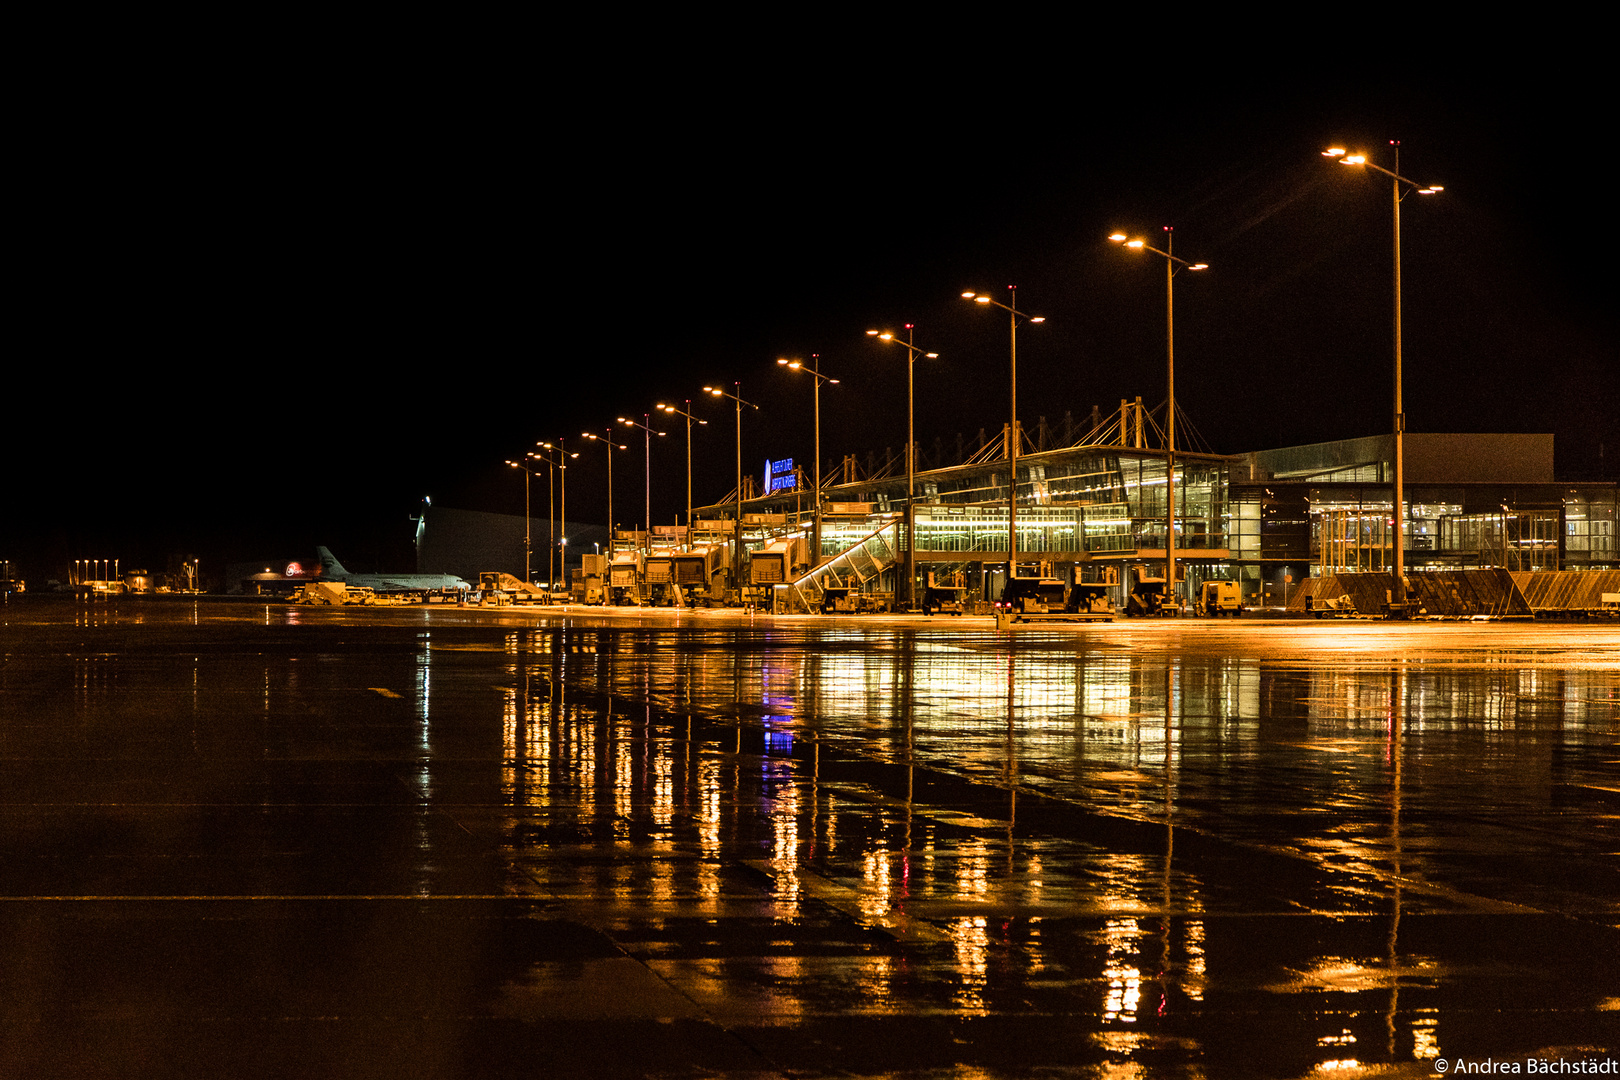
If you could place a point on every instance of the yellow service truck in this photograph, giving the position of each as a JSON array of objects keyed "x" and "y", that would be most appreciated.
[{"x": 1220, "y": 598}]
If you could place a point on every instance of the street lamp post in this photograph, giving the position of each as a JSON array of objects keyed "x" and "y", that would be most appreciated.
[
  {"x": 690, "y": 420},
  {"x": 551, "y": 515},
  {"x": 912, "y": 352},
  {"x": 815, "y": 373},
  {"x": 1397, "y": 600},
  {"x": 611, "y": 446},
  {"x": 646, "y": 468},
  {"x": 1014, "y": 438},
  {"x": 560, "y": 464},
  {"x": 1171, "y": 265},
  {"x": 736, "y": 547},
  {"x": 527, "y": 545}
]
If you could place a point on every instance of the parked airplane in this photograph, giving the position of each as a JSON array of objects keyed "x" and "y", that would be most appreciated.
[{"x": 332, "y": 570}]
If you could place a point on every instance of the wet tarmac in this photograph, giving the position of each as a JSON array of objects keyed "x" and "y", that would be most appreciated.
[{"x": 261, "y": 841}]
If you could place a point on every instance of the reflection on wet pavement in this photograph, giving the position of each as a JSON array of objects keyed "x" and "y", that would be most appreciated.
[{"x": 454, "y": 843}]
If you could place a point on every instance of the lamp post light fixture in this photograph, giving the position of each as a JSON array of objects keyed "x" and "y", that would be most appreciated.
[
  {"x": 1172, "y": 264},
  {"x": 912, "y": 352},
  {"x": 527, "y": 544},
  {"x": 558, "y": 464},
  {"x": 646, "y": 468},
  {"x": 814, "y": 371},
  {"x": 690, "y": 420},
  {"x": 611, "y": 446},
  {"x": 1397, "y": 600},
  {"x": 736, "y": 547},
  {"x": 1014, "y": 437},
  {"x": 551, "y": 513}
]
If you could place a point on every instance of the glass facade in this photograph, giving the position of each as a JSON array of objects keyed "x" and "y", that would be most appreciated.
[
  {"x": 1590, "y": 526},
  {"x": 1069, "y": 501},
  {"x": 1109, "y": 502}
]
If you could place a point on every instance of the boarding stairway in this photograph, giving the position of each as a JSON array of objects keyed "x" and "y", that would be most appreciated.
[{"x": 851, "y": 569}]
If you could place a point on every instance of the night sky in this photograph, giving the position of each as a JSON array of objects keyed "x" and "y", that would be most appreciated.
[{"x": 269, "y": 313}]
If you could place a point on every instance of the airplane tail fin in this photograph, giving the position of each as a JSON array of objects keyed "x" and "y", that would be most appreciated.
[{"x": 330, "y": 567}]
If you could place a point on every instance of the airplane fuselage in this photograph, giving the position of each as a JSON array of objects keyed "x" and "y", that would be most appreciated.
[
  {"x": 332, "y": 570},
  {"x": 384, "y": 583}
]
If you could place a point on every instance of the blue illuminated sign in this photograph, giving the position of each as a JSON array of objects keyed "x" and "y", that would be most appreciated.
[{"x": 779, "y": 476}]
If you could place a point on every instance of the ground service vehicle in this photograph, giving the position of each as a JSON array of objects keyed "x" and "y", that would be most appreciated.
[
  {"x": 1042, "y": 596},
  {"x": 848, "y": 600},
  {"x": 945, "y": 595},
  {"x": 1032, "y": 590},
  {"x": 1150, "y": 597},
  {"x": 1091, "y": 598},
  {"x": 333, "y": 593},
  {"x": 587, "y": 586},
  {"x": 497, "y": 587},
  {"x": 1220, "y": 598},
  {"x": 1336, "y": 607}
]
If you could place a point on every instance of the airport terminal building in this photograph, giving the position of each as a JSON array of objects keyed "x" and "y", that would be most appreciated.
[{"x": 1268, "y": 519}]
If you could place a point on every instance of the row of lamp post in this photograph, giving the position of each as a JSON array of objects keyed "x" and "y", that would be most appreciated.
[
  {"x": 1013, "y": 438},
  {"x": 1173, "y": 265},
  {"x": 555, "y": 460}
]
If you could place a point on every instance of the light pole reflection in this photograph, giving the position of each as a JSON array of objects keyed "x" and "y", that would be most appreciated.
[{"x": 1398, "y": 701}]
